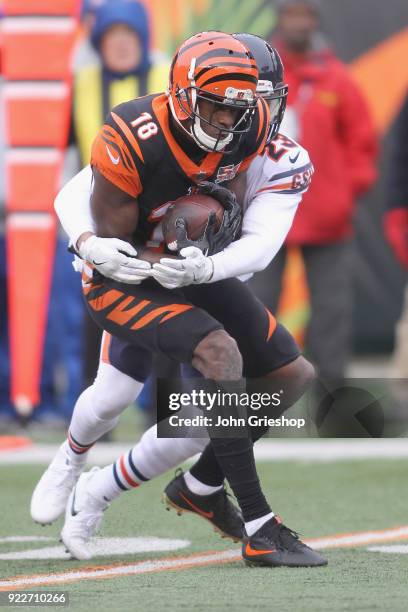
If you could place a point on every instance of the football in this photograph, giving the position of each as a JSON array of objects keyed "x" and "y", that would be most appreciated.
[{"x": 195, "y": 209}]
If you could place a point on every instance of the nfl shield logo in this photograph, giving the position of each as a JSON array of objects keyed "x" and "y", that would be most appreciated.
[{"x": 227, "y": 173}]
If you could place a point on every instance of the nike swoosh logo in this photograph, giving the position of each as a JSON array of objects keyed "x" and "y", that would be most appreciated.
[
  {"x": 198, "y": 510},
  {"x": 73, "y": 511},
  {"x": 252, "y": 552},
  {"x": 98, "y": 263},
  {"x": 114, "y": 160},
  {"x": 294, "y": 159}
]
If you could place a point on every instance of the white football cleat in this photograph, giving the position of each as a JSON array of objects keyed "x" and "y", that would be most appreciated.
[
  {"x": 50, "y": 496},
  {"x": 83, "y": 516}
]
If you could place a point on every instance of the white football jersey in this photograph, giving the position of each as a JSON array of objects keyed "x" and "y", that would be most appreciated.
[
  {"x": 276, "y": 182},
  {"x": 284, "y": 168}
]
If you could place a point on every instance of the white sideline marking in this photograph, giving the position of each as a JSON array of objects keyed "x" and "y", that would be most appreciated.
[
  {"x": 346, "y": 540},
  {"x": 397, "y": 549},
  {"x": 100, "y": 547},
  {"x": 26, "y": 539},
  {"x": 265, "y": 450}
]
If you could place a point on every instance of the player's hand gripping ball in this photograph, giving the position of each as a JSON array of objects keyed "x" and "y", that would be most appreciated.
[{"x": 208, "y": 219}]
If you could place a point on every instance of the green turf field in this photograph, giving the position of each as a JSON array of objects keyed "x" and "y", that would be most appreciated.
[{"x": 316, "y": 499}]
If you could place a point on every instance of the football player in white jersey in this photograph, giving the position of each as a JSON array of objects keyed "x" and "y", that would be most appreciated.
[{"x": 275, "y": 182}]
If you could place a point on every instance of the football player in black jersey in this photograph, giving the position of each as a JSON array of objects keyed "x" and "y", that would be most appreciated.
[{"x": 152, "y": 150}]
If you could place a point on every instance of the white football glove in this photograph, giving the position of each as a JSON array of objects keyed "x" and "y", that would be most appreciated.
[
  {"x": 195, "y": 269},
  {"x": 115, "y": 259}
]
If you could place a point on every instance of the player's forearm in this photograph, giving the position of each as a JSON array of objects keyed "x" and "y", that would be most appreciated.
[
  {"x": 73, "y": 208},
  {"x": 245, "y": 256},
  {"x": 115, "y": 213}
]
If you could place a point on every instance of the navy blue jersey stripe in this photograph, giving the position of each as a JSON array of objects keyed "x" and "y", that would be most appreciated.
[
  {"x": 298, "y": 190},
  {"x": 282, "y": 175}
]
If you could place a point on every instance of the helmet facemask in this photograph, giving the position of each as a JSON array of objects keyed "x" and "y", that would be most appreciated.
[
  {"x": 276, "y": 98},
  {"x": 241, "y": 102}
]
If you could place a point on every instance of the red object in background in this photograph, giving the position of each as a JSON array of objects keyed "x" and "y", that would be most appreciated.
[
  {"x": 396, "y": 231},
  {"x": 336, "y": 129},
  {"x": 37, "y": 114},
  {"x": 43, "y": 167},
  {"x": 37, "y": 48},
  {"x": 30, "y": 254},
  {"x": 41, "y": 7}
]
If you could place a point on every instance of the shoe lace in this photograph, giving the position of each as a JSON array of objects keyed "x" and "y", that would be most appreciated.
[{"x": 287, "y": 538}]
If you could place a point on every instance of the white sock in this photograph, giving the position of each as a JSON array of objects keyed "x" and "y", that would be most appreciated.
[
  {"x": 104, "y": 486},
  {"x": 70, "y": 456},
  {"x": 256, "y": 524},
  {"x": 86, "y": 426},
  {"x": 153, "y": 456},
  {"x": 198, "y": 487},
  {"x": 98, "y": 408}
]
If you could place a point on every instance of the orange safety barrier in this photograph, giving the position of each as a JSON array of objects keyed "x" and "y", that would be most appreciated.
[
  {"x": 43, "y": 167},
  {"x": 41, "y": 7},
  {"x": 37, "y": 48},
  {"x": 37, "y": 114},
  {"x": 39, "y": 38},
  {"x": 30, "y": 251}
]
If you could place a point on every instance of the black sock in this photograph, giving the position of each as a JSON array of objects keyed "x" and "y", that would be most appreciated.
[
  {"x": 233, "y": 457},
  {"x": 236, "y": 459},
  {"x": 207, "y": 469}
]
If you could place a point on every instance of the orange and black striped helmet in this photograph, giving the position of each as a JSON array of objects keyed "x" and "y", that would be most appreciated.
[{"x": 216, "y": 67}]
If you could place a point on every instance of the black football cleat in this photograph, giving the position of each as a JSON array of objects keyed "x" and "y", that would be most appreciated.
[
  {"x": 216, "y": 508},
  {"x": 275, "y": 545}
]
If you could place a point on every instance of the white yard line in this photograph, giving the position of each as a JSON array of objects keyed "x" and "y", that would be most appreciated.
[
  {"x": 398, "y": 549},
  {"x": 265, "y": 450}
]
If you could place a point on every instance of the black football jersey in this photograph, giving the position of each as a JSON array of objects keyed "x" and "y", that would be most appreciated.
[{"x": 137, "y": 151}]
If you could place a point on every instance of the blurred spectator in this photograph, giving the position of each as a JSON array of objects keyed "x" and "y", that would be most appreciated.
[
  {"x": 396, "y": 229},
  {"x": 126, "y": 70},
  {"x": 327, "y": 115},
  {"x": 120, "y": 36}
]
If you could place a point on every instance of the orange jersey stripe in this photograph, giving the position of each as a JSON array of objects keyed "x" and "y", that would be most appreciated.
[
  {"x": 111, "y": 156},
  {"x": 121, "y": 316},
  {"x": 272, "y": 323},
  {"x": 106, "y": 299},
  {"x": 276, "y": 187},
  {"x": 191, "y": 169},
  {"x": 106, "y": 341},
  {"x": 172, "y": 309}
]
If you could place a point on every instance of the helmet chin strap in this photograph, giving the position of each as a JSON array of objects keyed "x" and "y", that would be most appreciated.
[
  {"x": 196, "y": 132},
  {"x": 206, "y": 141},
  {"x": 200, "y": 136}
]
